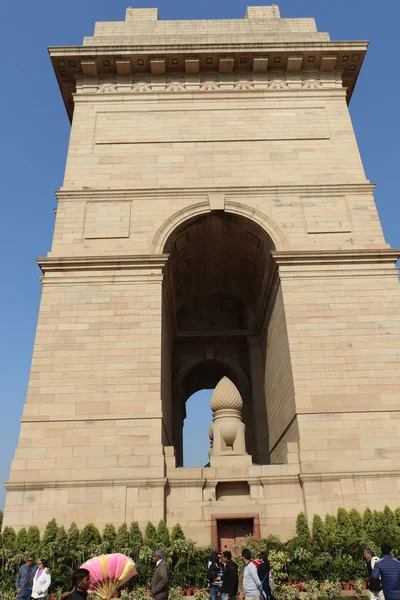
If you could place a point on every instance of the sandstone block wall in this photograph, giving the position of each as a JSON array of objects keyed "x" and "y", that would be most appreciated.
[{"x": 158, "y": 140}]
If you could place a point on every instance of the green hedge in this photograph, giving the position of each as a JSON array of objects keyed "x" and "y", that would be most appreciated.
[
  {"x": 68, "y": 549},
  {"x": 330, "y": 551}
]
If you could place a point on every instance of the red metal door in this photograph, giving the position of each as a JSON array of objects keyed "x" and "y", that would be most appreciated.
[
  {"x": 241, "y": 530},
  {"x": 233, "y": 533},
  {"x": 226, "y": 537}
]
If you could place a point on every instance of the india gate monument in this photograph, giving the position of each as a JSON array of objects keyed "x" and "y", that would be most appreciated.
[{"x": 215, "y": 230}]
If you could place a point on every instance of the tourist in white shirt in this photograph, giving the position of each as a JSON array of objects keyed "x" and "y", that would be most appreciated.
[
  {"x": 251, "y": 581},
  {"x": 41, "y": 580}
]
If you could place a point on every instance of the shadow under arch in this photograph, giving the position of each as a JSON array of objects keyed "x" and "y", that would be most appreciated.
[
  {"x": 194, "y": 376},
  {"x": 200, "y": 208},
  {"x": 216, "y": 280},
  {"x": 204, "y": 374}
]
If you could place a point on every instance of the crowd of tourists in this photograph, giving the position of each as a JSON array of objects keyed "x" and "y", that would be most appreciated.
[
  {"x": 34, "y": 578},
  {"x": 223, "y": 576}
]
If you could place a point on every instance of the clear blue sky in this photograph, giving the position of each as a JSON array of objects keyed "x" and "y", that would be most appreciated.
[{"x": 34, "y": 138}]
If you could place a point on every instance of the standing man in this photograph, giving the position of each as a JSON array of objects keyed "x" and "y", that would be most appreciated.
[
  {"x": 160, "y": 581},
  {"x": 388, "y": 569},
  {"x": 251, "y": 581},
  {"x": 375, "y": 585},
  {"x": 230, "y": 580},
  {"x": 24, "y": 581}
]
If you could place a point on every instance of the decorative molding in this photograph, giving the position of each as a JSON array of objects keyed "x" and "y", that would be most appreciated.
[
  {"x": 12, "y": 486},
  {"x": 278, "y": 83},
  {"x": 107, "y": 88},
  {"x": 162, "y": 235},
  {"x": 82, "y": 418},
  {"x": 329, "y": 257},
  {"x": 322, "y": 477},
  {"x": 94, "y": 61},
  {"x": 312, "y": 190},
  {"x": 265, "y": 480},
  {"x": 101, "y": 263},
  {"x": 100, "y": 269},
  {"x": 228, "y": 82},
  {"x": 141, "y": 87},
  {"x": 244, "y": 85},
  {"x": 209, "y": 86},
  {"x": 311, "y": 84},
  {"x": 189, "y": 212},
  {"x": 175, "y": 87},
  {"x": 197, "y": 482},
  {"x": 311, "y": 264},
  {"x": 311, "y": 81}
]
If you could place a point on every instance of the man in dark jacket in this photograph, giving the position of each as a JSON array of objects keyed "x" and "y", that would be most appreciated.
[
  {"x": 24, "y": 581},
  {"x": 160, "y": 581},
  {"x": 230, "y": 579},
  {"x": 81, "y": 583},
  {"x": 388, "y": 569}
]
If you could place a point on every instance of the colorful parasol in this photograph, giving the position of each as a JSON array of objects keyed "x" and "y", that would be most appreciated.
[{"x": 108, "y": 572}]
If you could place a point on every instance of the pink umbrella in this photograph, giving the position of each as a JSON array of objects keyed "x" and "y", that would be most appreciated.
[{"x": 108, "y": 572}]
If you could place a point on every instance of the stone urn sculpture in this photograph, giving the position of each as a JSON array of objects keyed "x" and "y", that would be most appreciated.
[{"x": 227, "y": 430}]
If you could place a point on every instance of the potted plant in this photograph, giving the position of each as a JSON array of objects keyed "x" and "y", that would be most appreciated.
[
  {"x": 345, "y": 586},
  {"x": 313, "y": 591},
  {"x": 330, "y": 590},
  {"x": 360, "y": 586},
  {"x": 175, "y": 593},
  {"x": 201, "y": 595}
]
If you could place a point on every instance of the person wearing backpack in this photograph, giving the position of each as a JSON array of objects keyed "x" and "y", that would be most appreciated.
[{"x": 214, "y": 575}]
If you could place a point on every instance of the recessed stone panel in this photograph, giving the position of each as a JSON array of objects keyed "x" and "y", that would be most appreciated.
[
  {"x": 107, "y": 220},
  {"x": 326, "y": 215}
]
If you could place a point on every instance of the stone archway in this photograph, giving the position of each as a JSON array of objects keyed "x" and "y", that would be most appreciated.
[
  {"x": 168, "y": 228},
  {"x": 218, "y": 282},
  {"x": 205, "y": 373}
]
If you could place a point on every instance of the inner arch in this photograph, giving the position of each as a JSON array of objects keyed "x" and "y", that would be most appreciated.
[{"x": 216, "y": 284}]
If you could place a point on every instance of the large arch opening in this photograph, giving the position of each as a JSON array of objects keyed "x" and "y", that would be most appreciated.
[
  {"x": 196, "y": 426},
  {"x": 218, "y": 292}
]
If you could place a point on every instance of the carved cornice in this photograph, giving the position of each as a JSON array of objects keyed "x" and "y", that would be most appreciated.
[
  {"x": 109, "y": 88},
  {"x": 72, "y": 62}
]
